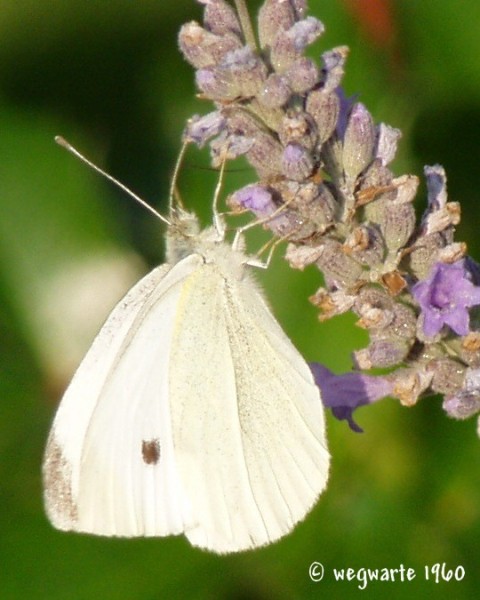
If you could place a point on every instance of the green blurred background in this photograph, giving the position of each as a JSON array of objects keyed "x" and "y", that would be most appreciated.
[{"x": 108, "y": 77}]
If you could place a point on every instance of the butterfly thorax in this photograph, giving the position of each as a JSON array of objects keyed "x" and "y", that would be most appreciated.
[{"x": 184, "y": 238}]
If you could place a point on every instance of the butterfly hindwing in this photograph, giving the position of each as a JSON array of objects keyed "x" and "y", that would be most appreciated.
[{"x": 250, "y": 442}]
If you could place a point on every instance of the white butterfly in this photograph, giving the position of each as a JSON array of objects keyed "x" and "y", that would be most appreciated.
[{"x": 191, "y": 413}]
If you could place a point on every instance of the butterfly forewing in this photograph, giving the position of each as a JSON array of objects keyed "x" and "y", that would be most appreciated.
[{"x": 96, "y": 476}]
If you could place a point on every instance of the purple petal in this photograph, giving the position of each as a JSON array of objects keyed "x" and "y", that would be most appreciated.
[
  {"x": 432, "y": 323},
  {"x": 459, "y": 321},
  {"x": 255, "y": 198},
  {"x": 445, "y": 296},
  {"x": 347, "y": 392}
]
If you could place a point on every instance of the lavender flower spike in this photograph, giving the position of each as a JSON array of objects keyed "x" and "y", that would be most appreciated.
[
  {"x": 323, "y": 183},
  {"x": 445, "y": 297},
  {"x": 347, "y": 392}
]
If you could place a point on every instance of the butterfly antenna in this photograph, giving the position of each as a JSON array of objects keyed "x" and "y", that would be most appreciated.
[
  {"x": 173, "y": 186},
  {"x": 62, "y": 142},
  {"x": 217, "y": 216}
]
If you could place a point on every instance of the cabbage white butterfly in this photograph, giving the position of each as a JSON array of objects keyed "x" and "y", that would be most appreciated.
[{"x": 192, "y": 412}]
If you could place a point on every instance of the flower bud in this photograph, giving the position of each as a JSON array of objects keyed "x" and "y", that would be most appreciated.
[
  {"x": 404, "y": 322},
  {"x": 377, "y": 177},
  {"x": 465, "y": 402},
  {"x": 375, "y": 191},
  {"x": 324, "y": 108},
  {"x": 441, "y": 219},
  {"x": 316, "y": 203},
  {"x": 448, "y": 375},
  {"x": 409, "y": 383},
  {"x": 274, "y": 16},
  {"x": 275, "y": 92},
  {"x": 288, "y": 45},
  {"x": 406, "y": 186},
  {"x": 202, "y": 48},
  {"x": 381, "y": 353},
  {"x": 462, "y": 405},
  {"x": 297, "y": 162},
  {"x": 246, "y": 68},
  {"x": 312, "y": 204},
  {"x": 331, "y": 154},
  {"x": 299, "y": 257},
  {"x": 217, "y": 84},
  {"x": 386, "y": 144},
  {"x": 333, "y": 68},
  {"x": 265, "y": 154},
  {"x": 423, "y": 254},
  {"x": 228, "y": 146},
  {"x": 300, "y": 128},
  {"x": 220, "y": 18},
  {"x": 366, "y": 245},
  {"x": 374, "y": 307},
  {"x": 397, "y": 225},
  {"x": 342, "y": 270},
  {"x": 358, "y": 142},
  {"x": 467, "y": 348},
  {"x": 452, "y": 252},
  {"x": 302, "y": 75},
  {"x": 200, "y": 129},
  {"x": 331, "y": 303}
]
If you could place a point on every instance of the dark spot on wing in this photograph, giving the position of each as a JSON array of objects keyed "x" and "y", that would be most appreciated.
[{"x": 151, "y": 451}]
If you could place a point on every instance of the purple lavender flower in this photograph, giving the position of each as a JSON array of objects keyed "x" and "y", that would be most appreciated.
[
  {"x": 347, "y": 392},
  {"x": 255, "y": 198},
  {"x": 445, "y": 297}
]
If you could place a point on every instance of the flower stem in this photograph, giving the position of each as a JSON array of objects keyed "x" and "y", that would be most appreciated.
[{"x": 246, "y": 23}]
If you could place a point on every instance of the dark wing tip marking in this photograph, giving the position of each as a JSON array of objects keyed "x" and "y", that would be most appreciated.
[
  {"x": 57, "y": 477},
  {"x": 151, "y": 451}
]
